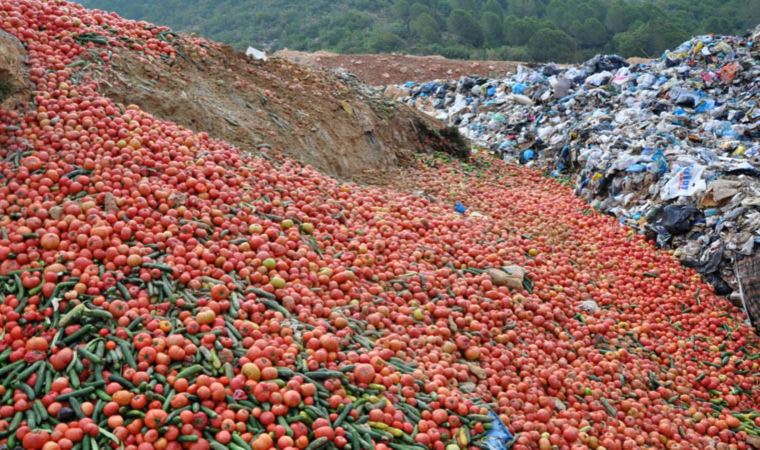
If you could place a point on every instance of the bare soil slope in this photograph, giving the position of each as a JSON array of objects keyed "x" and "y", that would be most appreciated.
[
  {"x": 335, "y": 124},
  {"x": 384, "y": 69}
]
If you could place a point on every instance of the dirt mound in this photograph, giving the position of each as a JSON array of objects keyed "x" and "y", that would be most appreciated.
[
  {"x": 386, "y": 69},
  {"x": 14, "y": 85},
  {"x": 335, "y": 124}
]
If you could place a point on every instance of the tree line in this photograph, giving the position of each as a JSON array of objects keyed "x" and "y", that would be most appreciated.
[{"x": 526, "y": 30}]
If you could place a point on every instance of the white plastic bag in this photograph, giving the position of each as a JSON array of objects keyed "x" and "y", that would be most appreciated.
[
  {"x": 256, "y": 54},
  {"x": 686, "y": 181}
]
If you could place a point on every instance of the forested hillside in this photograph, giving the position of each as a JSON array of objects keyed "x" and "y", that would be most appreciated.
[{"x": 540, "y": 30}]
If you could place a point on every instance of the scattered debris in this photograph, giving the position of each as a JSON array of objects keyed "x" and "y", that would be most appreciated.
[
  {"x": 256, "y": 54},
  {"x": 511, "y": 276}
]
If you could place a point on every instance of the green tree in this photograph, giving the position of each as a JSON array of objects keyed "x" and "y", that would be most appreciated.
[
  {"x": 354, "y": 42},
  {"x": 560, "y": 12},
  {"x": 650, "y": 38},
  {"x": 385, "y": 41},
  {"x": 594, "y": 34},
  {"x": 522, "y": 8},
  {"x": 492, "y": 29},
  {"x": 619, "y": 16},
  {"x": 465, "y": 5},
  {"x": 749, "y": 14},
  {"x": 333, "y": 36},
  {"x": 352, "y": 20},
  {"x": 418, "y": 9},
  {"x": 635, "y": 27},
  {"x": 462, "y": 24},
  {"x": 549, "y": 44},
  {"x": 519, "y": 30},
  {"x": 426, "y": 29},
  {"x": 575, "y": 29},
  {"x": 402, "y": 9},
  {"x": 598, "y": 8},
  {"x": 718, "y": 25},
  {"x": 494, "y": 7}
]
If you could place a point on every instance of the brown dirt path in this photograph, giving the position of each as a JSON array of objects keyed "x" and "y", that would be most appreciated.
[{"x": 384, "y": 69}]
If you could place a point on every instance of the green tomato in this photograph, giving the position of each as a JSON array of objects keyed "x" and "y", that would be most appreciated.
[
  {"x": 307, "y": 228},
  {"x": 277, "y": 282}
]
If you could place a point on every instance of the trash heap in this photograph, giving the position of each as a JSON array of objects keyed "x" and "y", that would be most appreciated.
[{"x": 669, "y": 147}]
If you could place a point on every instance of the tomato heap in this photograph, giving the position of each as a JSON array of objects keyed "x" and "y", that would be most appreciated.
[{"x": 161, "y": 289}]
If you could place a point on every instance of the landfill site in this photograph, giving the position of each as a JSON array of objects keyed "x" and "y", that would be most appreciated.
[
  {"x": 669, "y": 147},
  {"x": 206, "y": 249}
]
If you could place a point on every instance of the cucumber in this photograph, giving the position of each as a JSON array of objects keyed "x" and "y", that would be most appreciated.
[
  {"x": 91, "y": 356},
  {"x": 324, "y": 374},
  {"x": 190, "y": 371},
  {"x": 481, "y": 418},
  {"x": 74, "y": 394},
  {"x": 161, "y": 267},
  {"x": 343, "y": 414},
  {"x": 122, "y": 381},
  {"x": 24, "y": 374},
  {"x": 317, "y": 443}
]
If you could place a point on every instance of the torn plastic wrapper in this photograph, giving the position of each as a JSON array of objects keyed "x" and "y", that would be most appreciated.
[{"x": 499, "y": 437}]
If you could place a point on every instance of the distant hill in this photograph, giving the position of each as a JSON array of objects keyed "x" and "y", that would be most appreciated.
[{"x": 536, "y": 30}]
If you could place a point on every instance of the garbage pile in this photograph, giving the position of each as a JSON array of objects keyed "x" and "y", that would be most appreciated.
[{"x": 670, "y": 147}]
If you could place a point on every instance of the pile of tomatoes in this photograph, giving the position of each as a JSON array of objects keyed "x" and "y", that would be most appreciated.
[{"x": 160, "y": 289}]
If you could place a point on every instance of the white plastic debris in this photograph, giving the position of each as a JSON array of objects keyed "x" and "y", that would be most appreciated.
[
  {"x": 256, "y": 54},
  {"x": 589, "y": 306}
]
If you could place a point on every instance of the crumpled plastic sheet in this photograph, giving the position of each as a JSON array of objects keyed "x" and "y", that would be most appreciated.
[{"x": 498, "y": 437}]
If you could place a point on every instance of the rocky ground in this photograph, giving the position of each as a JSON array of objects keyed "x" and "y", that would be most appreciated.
[{"x": 383, "y": 69}]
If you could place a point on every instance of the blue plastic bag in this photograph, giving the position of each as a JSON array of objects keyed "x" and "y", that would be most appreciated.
[
  {"x": 428, "y": 88},
  {"x": 658, "y": 165},
  {"x": 460, "y": 208},
  {"x": 705, "y": 106},
  {"x": 519, "y": 88},
  {"x": 498, "y": 437},
  {"x": 506, "y": 144},
  {"x": 724, "y": 129},
  {"x": 527, "y": 155}
]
